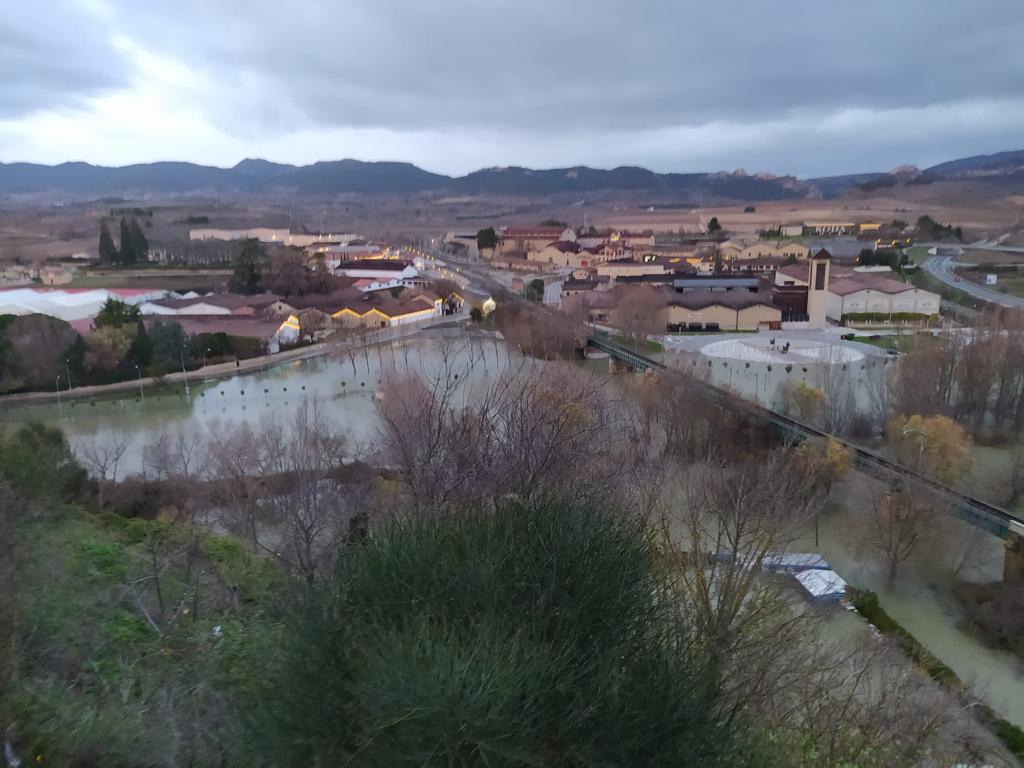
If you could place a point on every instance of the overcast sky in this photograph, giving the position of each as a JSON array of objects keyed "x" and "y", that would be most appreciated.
[{"x": 808, "y": 87}]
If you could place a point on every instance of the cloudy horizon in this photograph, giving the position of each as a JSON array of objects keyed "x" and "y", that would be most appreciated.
[{"x": 792, "y": 87}]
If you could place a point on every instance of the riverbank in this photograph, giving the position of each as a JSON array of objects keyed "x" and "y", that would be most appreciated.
[
  {"x": 138, "y": 386},
  {"x": 231, "y": 368}
]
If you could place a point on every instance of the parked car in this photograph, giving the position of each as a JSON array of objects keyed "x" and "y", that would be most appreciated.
[
  {"x": 711, "y": 326},
  {"x": 693, "y": 326}
]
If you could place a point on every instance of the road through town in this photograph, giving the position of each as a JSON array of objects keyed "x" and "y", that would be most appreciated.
[{"x": 941, "y": 267}]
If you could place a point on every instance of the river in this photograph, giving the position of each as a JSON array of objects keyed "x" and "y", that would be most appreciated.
[
  {"x": 347, "y": 382},
  {"x": 918, "y": 600}
]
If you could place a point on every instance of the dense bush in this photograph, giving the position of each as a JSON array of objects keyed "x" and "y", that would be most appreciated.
[
  {"x": 882, "y": 317},
  {"x": 539, "y": 635},
  {"x": 36, "y": 461}
]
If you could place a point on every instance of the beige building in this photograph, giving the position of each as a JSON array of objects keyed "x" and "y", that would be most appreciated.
[
  {"x": 630, "y": 268},
  {"x": 741, "y": 250},
  {"x": 774, "y": 249},
  {"x": 722, "y": 310},
  {"x": 518, "y": 242},
  {"x": 565, "y": 253},
  {"x": 873, "y": 293},
  {"x": 731, "y": 249},
  {"x": 634, "y": 240}
]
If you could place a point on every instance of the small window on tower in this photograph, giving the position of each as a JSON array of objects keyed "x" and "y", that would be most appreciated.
[{"x": 819, "y": 277}]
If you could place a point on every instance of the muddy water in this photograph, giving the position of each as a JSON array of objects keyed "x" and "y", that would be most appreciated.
[{"x": 347, "y": 385}]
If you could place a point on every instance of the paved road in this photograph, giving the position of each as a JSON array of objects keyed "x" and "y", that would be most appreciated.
[{"x": 942, "y": 268}]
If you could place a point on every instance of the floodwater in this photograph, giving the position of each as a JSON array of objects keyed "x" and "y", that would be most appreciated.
[
  {"x": 917, "y": 600},
  {"x": 348, "y": 384},
  {"x": 921, "y": 601}
]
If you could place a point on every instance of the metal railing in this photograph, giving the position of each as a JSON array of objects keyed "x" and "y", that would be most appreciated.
[{"x": 989, "y": 517}]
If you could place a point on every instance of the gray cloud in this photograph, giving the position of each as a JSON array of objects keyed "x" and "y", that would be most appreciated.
[
  {"x": 54, "y": 55},
  {"x": 789, "y": 85}
]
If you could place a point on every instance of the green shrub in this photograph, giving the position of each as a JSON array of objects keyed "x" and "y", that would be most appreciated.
[
  {"x": 536, "y": 635},
  {"x": 884, "y": 317}
]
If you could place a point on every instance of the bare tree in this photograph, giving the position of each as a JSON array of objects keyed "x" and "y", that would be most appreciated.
[
  {"x": 735, "y": 516},
  {"x": 839, "y": 407},
  {"x": 175, "y": 453},
  {"x": 897, "y": 523},
  {"x": 102, "y": 453},
  {"x": 532, "y": 429},
  {"x": 640, "y": 311},
  {"x": 280, "y": 486}
]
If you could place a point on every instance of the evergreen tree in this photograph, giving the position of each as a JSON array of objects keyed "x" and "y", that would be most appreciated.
[
  {"x": 169, "y": 343},
  {"x": 246, "y": 277},
  {"x": 139, "y": 242},
  {"x": 127, "y": 244},
  {"x": 108, "y": 253},
  {"x": 141, "y": 350},
  {"x": 115, "y": 313},
  {"x": 128, "y": 253}
]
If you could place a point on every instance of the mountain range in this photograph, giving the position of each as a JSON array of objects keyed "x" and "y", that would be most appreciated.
[{"x": 254, "y": 176}]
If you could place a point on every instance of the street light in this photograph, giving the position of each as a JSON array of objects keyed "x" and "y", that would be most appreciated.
[
  {"x": 204, "y": 357},
  {"x": 67, "y": 367},
  {"x": 60, "y": 407},
  {"x": 142, "y": 395},
  {"x": 184, "y": 373}
]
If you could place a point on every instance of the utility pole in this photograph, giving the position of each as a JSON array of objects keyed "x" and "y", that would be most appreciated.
[
  {"x": 142, "y": 395},
  {"x": 181, "y": 353}
]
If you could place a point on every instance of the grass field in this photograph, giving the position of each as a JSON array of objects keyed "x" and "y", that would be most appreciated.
[
  {"x": 154, "y": 280},
  {"x": 648, "y": 346},
  {"x": 1009, "y": 283},
  {"x": 990, "y": 257}
]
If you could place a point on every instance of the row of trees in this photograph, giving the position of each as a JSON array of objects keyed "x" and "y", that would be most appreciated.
[
  {"x": 975, "y": 377},
  {"x": 285, "y": 271},
  {"x": 134, "y": 248},
  {"x": 39, "y": 352}
]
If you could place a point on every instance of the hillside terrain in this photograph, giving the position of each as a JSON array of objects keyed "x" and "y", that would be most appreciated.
[{"x": 261, "y": 177}]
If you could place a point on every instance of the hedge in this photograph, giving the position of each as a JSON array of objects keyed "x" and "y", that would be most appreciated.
[{"x": 881, "y": 317}]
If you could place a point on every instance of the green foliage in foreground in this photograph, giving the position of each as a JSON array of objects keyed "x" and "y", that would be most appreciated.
[
  {"x": 537, "y": 635},
  {"x": 95, "y": 684},
  {"x": 36, "y": 461}
]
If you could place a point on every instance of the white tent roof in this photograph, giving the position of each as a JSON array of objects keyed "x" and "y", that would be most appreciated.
[
  {"x": 821, "y": 583},
  {"x": 793, "y": 561}
]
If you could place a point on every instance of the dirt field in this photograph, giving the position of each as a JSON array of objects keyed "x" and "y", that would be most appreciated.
[
  {"x": 991, "y": 257},
  {"x": 38, "y": 232},
  {"x": 979, "y": 219},
  {"x": 1010, "y": 283}
]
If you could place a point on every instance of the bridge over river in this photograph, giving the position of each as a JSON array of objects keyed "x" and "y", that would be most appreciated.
[{"x": 989, "y": 517}]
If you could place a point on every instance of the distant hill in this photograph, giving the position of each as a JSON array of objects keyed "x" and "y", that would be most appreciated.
[
  {"x": 358, "y": 177},
  {"x": 260, "y": 169},
  {"x": 341, "y": 176},
  {"x": 1001, "y": 164}
]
